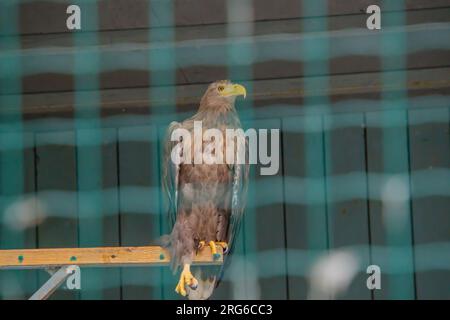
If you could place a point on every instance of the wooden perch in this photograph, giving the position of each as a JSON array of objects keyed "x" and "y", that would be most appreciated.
[{"x": 96, "y": 257}]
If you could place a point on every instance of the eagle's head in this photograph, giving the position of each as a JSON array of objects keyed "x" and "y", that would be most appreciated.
[{"x": 221, "y": 94}]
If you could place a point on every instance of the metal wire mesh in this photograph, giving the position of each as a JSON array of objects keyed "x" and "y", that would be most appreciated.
[{"x": 365, "y": 150}]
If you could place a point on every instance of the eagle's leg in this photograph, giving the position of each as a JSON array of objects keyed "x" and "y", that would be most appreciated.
[
  {"x": 186, "y": 278},
  {"x": 213, "y": 245}
]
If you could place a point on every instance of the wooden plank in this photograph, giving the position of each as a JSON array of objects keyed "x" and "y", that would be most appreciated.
[
  {"x": 264, "y": 226},
  {"x": 50, "y": 16},
  {"x": 204, "y": 60},
  {"x": 348, "y": 221},
  {"x": 267, "y": 109},
  {"x": 56, "y": 187},
  {"x": 390, "y": 216},
  {"x": 260, "y": 28},
  {"x": 304, "y": 194},
  {"x": 122, "y": 14},
  {"x": 98, "y": 206},
  {"x": 94, "y": 257},
  {"x": 264, "y": 93},
  {"x": 139, "y": 205},
  {"x": 429, "y": 144}
]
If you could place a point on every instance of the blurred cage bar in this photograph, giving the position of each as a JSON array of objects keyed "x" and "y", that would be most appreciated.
[{"x": 364, "y": 174}]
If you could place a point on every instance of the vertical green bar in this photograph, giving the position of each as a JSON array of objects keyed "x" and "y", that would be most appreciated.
[
  {"x": 89, "y": 141},
  {"x": 396, "y": 213},
  {"x": 12, "y": 283},
  {"x": 162, "y": 71},
  {"x": 240, "y": 57},
  {"x": 11, "y": 173}
]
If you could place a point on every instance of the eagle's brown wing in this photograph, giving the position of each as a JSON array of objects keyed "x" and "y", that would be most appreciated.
[
  {"x": 240, "y": 184},
  {"x": 238, "y": 202}
]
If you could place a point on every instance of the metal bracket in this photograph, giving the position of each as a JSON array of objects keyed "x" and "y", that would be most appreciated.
[{"x": 53, "y": 283}]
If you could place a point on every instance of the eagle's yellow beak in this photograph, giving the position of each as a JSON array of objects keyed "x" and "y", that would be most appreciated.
[{"x": 233, "y": 90}]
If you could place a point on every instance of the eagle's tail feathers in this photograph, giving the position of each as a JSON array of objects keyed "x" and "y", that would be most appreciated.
[
  {"x": 205, "y": 287},
  {"x": 163, "y": 241}
]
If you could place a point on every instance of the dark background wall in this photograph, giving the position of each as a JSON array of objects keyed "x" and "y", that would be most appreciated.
[{"x": 363, "y": 114}]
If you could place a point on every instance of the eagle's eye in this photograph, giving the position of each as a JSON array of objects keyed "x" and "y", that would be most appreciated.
[{"x": 221, "y": 88}]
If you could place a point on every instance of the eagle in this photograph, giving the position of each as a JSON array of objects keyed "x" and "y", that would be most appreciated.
[{"x": 206, "y": 201}]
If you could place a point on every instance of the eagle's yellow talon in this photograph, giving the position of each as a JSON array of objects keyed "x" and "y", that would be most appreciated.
[
  {"x": 213, "y": 245},
  {"x": 180, "y": 288},
  {"x": 224, "y": 246},
  {"x": 186, "y": 278}
]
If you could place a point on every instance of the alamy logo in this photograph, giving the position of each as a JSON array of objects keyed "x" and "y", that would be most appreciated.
[
  {"x": 374, "y": 280},
  {"x": 374, "y": 20},
  {"x": 73, "y": 22},
  {"x": 74, "y": 278},
  {"x": 213, "y": 146}
]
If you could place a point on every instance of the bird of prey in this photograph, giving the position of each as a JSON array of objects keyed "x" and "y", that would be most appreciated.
[{"x": 206, "y": 201}]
